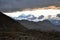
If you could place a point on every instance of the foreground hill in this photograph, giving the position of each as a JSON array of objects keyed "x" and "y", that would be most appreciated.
[{"x": 8, "y": 24}]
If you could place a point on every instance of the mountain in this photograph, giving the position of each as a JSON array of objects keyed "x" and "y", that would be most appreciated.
[
  {"x": 58, "y": 15},
  {"x": 55, "y": 22},
  {"x": 22, "y": 16},
  {"x": 31, "y": 17},
  {"x": 25, "y": 17},
  {"x": 8, "y": 24},
  {"x": 41, "y": 25},
  {"x": 41, "y": 17},
  {"x": 10, "y": 29}
]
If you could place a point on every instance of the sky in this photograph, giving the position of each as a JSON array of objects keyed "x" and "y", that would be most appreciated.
[{"x": 15, "y": 5}]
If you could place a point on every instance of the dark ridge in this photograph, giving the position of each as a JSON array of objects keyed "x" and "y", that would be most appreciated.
[
  {"x": 45, "y": 25},
  {"x": 8, "y": 24},
  {"x": 44, "y": 21}
]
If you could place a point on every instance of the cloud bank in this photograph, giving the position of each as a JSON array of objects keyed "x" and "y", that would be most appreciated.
[{"x": 37, "y": 15}]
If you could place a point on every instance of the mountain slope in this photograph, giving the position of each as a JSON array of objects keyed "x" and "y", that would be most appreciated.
[
  {"x": 8, "y": 24},
  {"x": 42, "y": 25}
]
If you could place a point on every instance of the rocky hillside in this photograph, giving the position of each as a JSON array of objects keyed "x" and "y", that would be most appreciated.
[{"x": 8, "y": 24}]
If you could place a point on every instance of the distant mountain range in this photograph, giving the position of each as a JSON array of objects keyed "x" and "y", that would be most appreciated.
[
  {"x": 41, "y": 25},
  {"x": 30, "y": 17},
  {"x": 27, "y": 17},
  {"x": 13, "y": 30}
]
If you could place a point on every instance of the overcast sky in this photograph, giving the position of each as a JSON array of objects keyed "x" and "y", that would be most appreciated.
[{"x": 6, "y": 5}]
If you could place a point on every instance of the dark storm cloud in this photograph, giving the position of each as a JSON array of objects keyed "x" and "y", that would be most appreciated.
[{"x": 14, "y": 5}]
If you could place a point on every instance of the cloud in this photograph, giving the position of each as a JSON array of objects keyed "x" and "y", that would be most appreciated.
[{"x": 15, "y": 5}]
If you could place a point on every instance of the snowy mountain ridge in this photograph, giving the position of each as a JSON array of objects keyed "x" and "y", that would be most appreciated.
[{"x": 55, "y": 20}]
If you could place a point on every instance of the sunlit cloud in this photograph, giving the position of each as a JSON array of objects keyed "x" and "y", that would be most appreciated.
[
  {"x": 37, "y": 13},
  {"x": 34, "y": 12}
]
